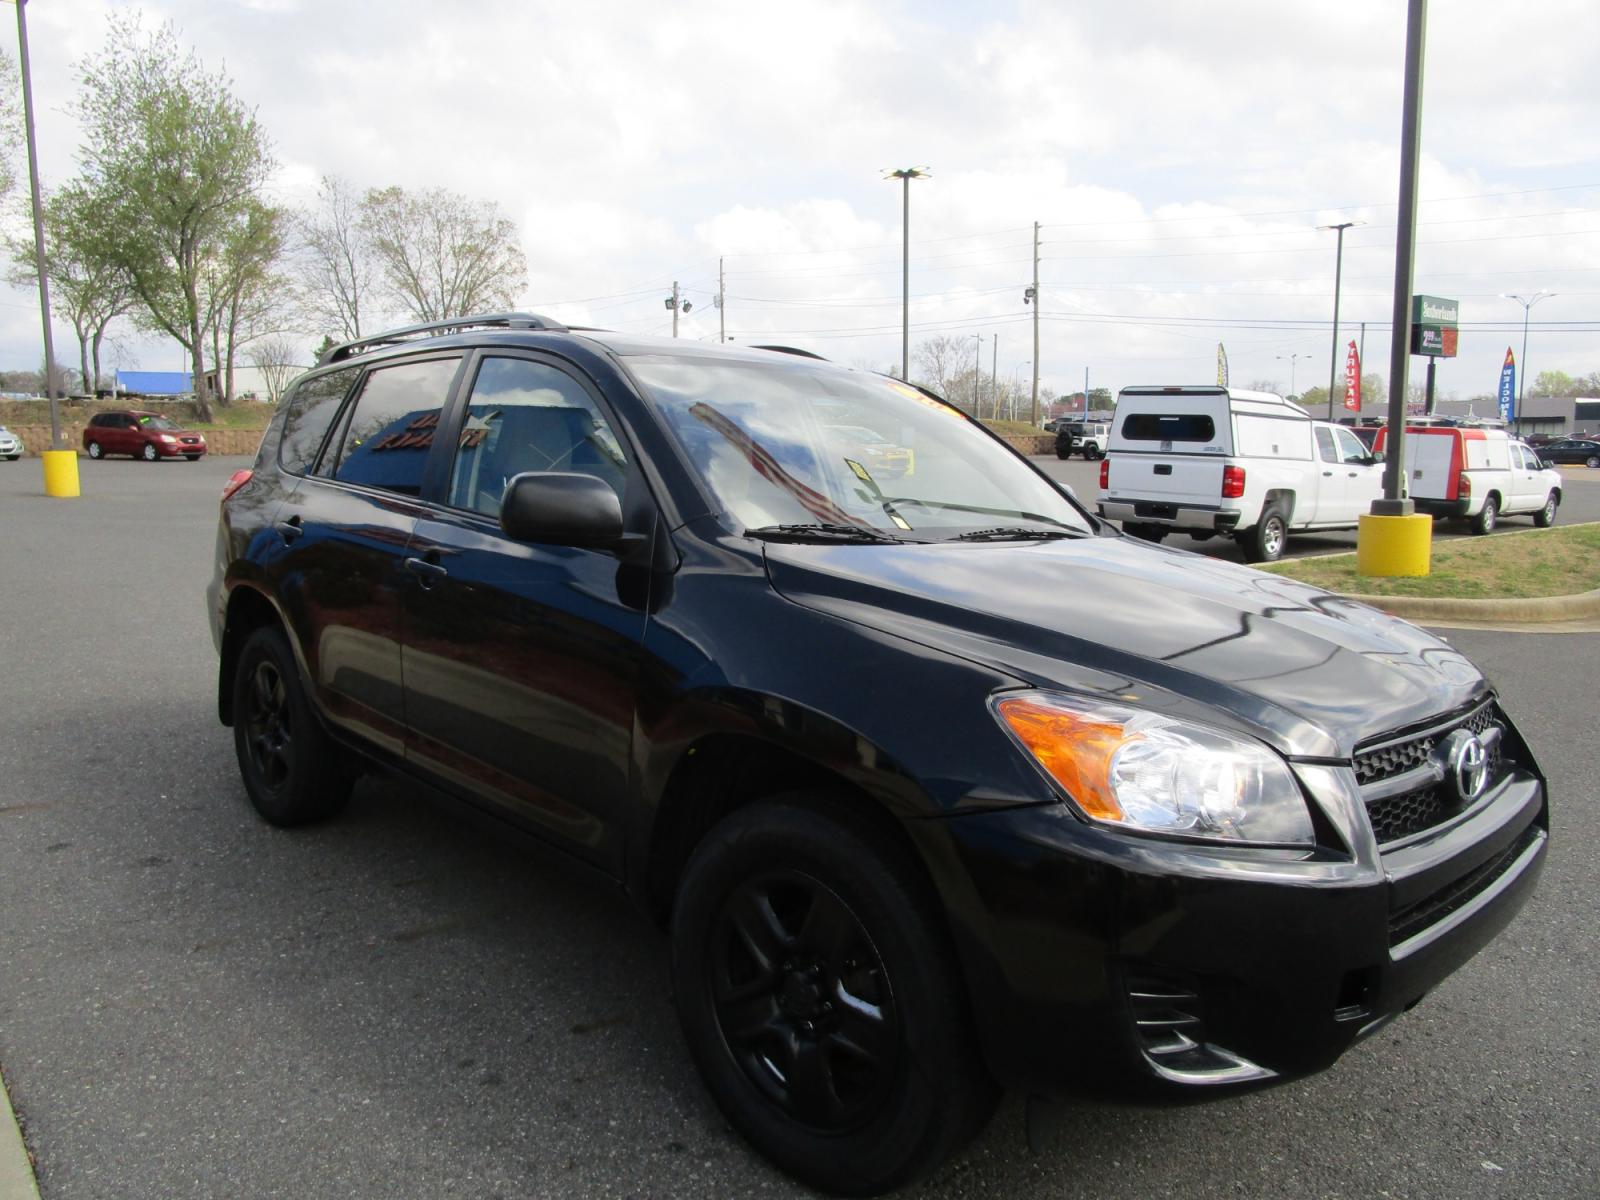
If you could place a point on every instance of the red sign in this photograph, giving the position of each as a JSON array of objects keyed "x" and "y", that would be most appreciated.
[{"x": 1352, "y": 379}]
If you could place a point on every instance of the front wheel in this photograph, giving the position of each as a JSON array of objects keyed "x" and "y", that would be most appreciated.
[
  {"x": 1486, "y": 520},
  {"x": 150, "y": 452},
  {"x": 819, "y": 994},
  {"x": 291, "y": 769},
  {"x": 1090, "y": 453},
  {"x": 1265, "y": 542},
  {"x": 1063, "y": 454},
  {"x": 1546, "y": 516},
  {"x": 1592, "y": 461}
]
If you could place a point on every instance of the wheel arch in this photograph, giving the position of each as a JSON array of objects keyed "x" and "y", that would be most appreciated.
[{"x": 248, "y": 610}]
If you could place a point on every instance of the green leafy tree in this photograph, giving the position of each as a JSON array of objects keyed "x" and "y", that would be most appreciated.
[
  {"x": 441, "y": 254},
  {"x": 1556, "y": 383},
  {"x": 244, "y": 297},
  {"x": 91, "y": 290},
  {"x": 175, "y": 165}
]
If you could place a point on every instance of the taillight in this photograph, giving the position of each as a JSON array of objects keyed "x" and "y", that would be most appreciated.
[
  {"x": 1105, "y": 473},
  {"x": 1464, "y": 487},
  {"x": 235, "y": 481},
  {"x": 1232, "y": 482}
]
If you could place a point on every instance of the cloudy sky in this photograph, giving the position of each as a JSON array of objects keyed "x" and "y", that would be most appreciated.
[{"x": 1178, "y": 157}]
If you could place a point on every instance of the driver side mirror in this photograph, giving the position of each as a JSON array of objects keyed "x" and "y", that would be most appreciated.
[{"x": 1375, "y": 457}]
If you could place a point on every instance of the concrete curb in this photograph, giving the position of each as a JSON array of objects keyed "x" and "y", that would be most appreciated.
[
  {"x": 1535, "y": 610},
  {"x": 16, "y": 1171}
]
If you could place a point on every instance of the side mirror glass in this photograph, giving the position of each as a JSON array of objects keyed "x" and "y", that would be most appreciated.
[
  {"x": 561, "y": 509},
  {"x": 1375, "y": 457}
]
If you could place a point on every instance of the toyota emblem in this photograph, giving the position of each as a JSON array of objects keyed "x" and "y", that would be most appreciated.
[{"x": 1469, "y": 766}]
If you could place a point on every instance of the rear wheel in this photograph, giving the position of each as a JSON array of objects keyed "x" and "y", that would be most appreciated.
[
  {"x": 818, "y": 991},
  {"x": 94, "y": 450},
  {"x": 1486, "y": 520},
  {"x": 1266, "y": 541},
  {"x": 1592, "y": 461},
  {"x": 1546, "y": 516},
  {"x": 292, "y": 771}
]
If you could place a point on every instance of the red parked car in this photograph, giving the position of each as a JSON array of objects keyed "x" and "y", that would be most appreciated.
[{"x": 145, "y": 435}]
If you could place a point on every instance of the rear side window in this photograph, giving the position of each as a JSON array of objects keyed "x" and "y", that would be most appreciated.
[
  {"x": 310, "y": 411},
  {"x": 390, "y": 432},
  {"x": 1177, "y": 427}
]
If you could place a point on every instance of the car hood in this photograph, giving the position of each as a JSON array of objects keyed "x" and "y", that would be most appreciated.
[{"x": 1311, "y": 673}]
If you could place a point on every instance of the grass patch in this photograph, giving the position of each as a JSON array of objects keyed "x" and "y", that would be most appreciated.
[
  {"x": 1543, "y": 562},
  {"x": 1019, "y": 428}
]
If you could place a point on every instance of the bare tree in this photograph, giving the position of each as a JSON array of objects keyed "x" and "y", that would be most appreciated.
[
  {"x": 442, "y": 254},
  {"x": 276, "y": 357},
  {"x": 339, "y": 274},
  {"x": 940, "y": 361}
]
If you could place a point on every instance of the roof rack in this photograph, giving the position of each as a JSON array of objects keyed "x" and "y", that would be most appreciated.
[{"x": 507, "y": 320}]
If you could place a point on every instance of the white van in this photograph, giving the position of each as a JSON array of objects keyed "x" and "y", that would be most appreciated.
[{"x": 1213, "y": 461}]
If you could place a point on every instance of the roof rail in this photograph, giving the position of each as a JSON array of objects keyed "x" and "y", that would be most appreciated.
[
  {"x": 506, "y": 320},
  {"x": 795, "y": 350}
]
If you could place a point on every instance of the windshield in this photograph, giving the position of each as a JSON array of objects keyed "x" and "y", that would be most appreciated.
[
  {"x": 159, "y": 423},
  {"x": 792, "y": 445}
]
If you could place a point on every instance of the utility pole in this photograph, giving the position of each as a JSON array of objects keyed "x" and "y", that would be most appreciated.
[
  {"x": 994, "y": 367},
  {"x": 38, "y": 232},
  {"x": 676, "y": 303},
  {"x": 1035, "y": 411},
  {"x": 722, "y": 305},
  {"x": 977, "y": 379}
]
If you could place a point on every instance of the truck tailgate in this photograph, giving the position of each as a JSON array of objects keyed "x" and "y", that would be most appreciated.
[{"x": 1170, "y": 478}]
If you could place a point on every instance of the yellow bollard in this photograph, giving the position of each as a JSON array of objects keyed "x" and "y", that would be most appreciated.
[
  {"x": 60, "y": 473},
  {"x": 1394, "y": 546}
]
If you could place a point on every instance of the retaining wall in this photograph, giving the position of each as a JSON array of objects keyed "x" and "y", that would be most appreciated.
[{"x": 218, "y": 441}]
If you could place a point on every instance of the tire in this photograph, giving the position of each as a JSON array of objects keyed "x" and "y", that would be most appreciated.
[
  {"x": 785, "y": 906},
  {"x": 292, "y": 771},
  {"x": 1063, "y": 454},
  {"x": 1091, "y": 453},
  {"x": 192, "y": 457},
  {"x": 1592, "y": 461},
  {"x": 150, "y": 453},
  {"x": 1266, "y": 540},
  {"x": 95, "y": 451},
  {"x": 1488, "y": 517},
  {"x": 1546, "y": 516}
]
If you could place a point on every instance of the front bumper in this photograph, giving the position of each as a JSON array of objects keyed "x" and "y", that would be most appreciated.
[{"x": 1109, "y": 964}]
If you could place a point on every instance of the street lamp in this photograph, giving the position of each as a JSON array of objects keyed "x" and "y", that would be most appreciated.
[
  {"x": 1527, "y": 303},
  {"x": 1292, "y": 360},
  {"x": 906, "y": 175},
  {"x": 1338, "y": 267}
]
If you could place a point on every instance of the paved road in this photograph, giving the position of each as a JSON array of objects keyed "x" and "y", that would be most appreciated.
[
  {"x": 1580, "y": 502},
  {"x": 195, "y": 1005}
]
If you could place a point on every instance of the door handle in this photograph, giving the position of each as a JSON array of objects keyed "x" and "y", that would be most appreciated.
[
  {"x": 291, "y": 529},
  {"x": 425, "y": 571},
  {"x": 1327, "y": 473}
]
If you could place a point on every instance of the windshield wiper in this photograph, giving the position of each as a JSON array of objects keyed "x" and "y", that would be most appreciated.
[
  {"x": 824, "y": 532},
  {"x": 1015, "y": 533}
]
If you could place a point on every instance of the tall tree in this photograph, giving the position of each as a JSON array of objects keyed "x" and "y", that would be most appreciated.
[
  {"x": 939, "y": 360},
  {"x": 92, "y": 291},
  {"x": 277, "y": 358},
  {"x": 244, "y": 298},
  {"x": 338, "y": 272},
  {"x": 173, "y": 163},
  {"x": 443, "y": 255}
]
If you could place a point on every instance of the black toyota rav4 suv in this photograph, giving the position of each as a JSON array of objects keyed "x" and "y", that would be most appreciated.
[{"x": 941, "y": 784}]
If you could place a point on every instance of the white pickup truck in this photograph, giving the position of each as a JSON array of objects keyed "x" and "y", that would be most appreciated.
[{"x": 1210, "y": 461}]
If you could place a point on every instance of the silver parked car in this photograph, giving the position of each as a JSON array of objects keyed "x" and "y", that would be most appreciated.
[{"x": 11, "y": 446}]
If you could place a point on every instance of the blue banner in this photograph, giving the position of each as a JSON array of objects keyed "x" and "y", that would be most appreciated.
[{"x": 1508, "y": 388}]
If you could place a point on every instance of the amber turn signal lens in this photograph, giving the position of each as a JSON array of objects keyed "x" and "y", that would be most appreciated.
[{"x": 1074, "y": 748}]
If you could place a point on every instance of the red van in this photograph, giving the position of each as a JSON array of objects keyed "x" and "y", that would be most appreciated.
[{"x": 145, "y": 435}]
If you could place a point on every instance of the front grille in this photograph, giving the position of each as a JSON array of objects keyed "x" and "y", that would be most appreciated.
[
  {"x": 1429, "y": 799},
  {"x": 1410, "y": 921}
]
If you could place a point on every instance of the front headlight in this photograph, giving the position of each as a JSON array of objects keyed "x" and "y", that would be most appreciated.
[
  {"x": 165, "y": 438},
  {"x": 1141, "y": 770}
]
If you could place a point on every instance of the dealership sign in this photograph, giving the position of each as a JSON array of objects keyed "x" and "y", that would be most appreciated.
[{"x": 1433, "y": 326}]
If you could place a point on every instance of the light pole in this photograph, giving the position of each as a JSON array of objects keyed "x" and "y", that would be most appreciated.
[
  {"x": 1338, "y": 268},
  {"x": 906, "y": 175},
  {"x": 1292, "y": 360},
  {"x": 1527, "y": 303}
]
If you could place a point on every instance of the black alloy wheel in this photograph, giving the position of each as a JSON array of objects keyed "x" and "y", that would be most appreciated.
[
  {"x": 291, "y": 770},
  {"x": 803, "y": 1001},
  {"x": 819, "y": 994}
]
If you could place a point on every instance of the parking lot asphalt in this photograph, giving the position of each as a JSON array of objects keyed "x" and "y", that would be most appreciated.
[{"x": 193, "y": 1004}]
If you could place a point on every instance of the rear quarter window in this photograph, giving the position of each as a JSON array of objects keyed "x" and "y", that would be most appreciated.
[
  {"x": 1168, "y": 427},
  {"x": 310, "y": 411}
]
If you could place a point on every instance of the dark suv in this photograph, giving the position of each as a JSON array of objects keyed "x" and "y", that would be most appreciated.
[{"x": 941, "y": 784}]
